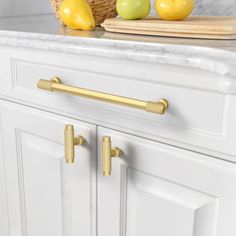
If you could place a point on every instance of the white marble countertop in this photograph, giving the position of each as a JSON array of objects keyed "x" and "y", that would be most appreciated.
[
  {"x": 43, "y": 32},
  {"x": 39, "y": 25}
]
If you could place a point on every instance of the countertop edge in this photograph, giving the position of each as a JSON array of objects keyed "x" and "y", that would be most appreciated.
[{"x": 219, "y": 61}]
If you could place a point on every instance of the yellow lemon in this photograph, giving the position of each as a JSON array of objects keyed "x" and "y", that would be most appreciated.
[
  {"x": 77, "y": 14},
  {"x": 174, "y": 9}
]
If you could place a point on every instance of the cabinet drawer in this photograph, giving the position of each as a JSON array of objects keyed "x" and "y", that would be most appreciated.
[{"x": 197, "y": 118}]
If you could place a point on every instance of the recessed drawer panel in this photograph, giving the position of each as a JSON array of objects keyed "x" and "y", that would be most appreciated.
[{"x": 196, "y": 118}]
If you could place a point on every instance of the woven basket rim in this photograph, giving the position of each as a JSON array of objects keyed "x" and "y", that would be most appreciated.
[{"x": 102, "y": 9}]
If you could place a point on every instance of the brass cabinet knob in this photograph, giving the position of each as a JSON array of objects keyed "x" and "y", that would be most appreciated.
[
  {"x": 107, "y": 154},
  {"x": 70, "y": 141}
]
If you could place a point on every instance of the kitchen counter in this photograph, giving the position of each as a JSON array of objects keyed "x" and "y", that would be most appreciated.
[
  {"x": 47, "y": 24},
  {"x": 44, "y": 32},
  {"x": 173, "y": 174}
]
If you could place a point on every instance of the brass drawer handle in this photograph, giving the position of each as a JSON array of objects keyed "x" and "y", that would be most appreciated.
[
  {"x": 70, "y": 141},
  {"x": 55, "y": 84},
  {"x": 107, "y": 154}
]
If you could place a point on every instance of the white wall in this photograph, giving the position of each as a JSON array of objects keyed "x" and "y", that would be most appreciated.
[
  {"x": 24, "y": 7},
  {"x": 28, "y": 7}
]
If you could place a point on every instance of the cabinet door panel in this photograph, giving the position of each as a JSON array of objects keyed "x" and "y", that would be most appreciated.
[
  {"x": 46, "y": 196},
  {"x": 155, "y": 189}
]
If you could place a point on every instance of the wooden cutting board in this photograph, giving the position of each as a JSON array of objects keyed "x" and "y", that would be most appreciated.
[{"x": 208, "y": 27}]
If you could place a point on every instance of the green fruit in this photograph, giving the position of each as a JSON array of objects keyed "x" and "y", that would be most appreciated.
[{"x": 133, "y": 9}]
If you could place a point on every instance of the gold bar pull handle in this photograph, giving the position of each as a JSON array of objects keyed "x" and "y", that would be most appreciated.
[
  {"x": 70, "y": 141},
  {"x": 55, "y": 84},
  {"x": 107, "y": 154}
]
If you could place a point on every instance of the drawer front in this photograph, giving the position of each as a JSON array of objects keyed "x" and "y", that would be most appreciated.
[{"x": 196, "y": 118}]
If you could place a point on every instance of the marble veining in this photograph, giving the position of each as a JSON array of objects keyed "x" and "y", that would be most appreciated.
[
  {"x": 215, "y": 7},
  {"x": 212, "y": 7}
]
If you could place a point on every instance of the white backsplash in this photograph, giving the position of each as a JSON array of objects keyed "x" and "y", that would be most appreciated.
[
  {"x": 24, "y": 7},
  {"x": 211, "y": 7},
  {"x": 29, "y": 7}
]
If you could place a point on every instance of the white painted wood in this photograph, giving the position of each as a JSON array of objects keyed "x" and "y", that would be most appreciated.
[
  {"x": 199, "y": 118},
  {"x": 24, "y": 7},
  {"x": 4, "y": 224},
  {"x": 46, "y": 196},
  {"x": 156, "y": 189}
]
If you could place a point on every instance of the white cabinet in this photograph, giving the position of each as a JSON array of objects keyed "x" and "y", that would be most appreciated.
[
  {"x": 46, "y": 196},
  {"x": 201, "y": 115},
  {"x": 155, "y": 189}
]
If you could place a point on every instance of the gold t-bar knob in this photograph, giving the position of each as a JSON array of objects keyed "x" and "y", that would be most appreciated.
[
  {"x": 70, "y": 141},
  {"x": 107, "y": 154}
]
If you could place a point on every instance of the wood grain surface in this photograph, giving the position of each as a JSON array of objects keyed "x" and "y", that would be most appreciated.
[{"x": 212, "y": 27}]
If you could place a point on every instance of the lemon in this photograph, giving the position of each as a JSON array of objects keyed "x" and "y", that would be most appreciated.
[
  {"x": 174, "y": 9},
  {"x": 77, "y": 14}
]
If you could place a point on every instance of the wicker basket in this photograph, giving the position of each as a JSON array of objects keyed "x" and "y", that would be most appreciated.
[{"x": 102, "y": 9}]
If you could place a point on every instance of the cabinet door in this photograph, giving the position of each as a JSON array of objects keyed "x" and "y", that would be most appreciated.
[
  {"x": 46, "y": 196},
  {"x": 159, "y": 190}
]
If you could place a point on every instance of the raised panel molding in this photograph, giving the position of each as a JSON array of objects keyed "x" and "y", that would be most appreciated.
[
  {"x": 21, "y": 188},
  {"x": 22, "y": 86},
  {"x": 13, "y": 72},
  {"x": 159, "y": 207},
  {"x": 37, "y": 185},
  {"x": 123, "y": 199}
]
